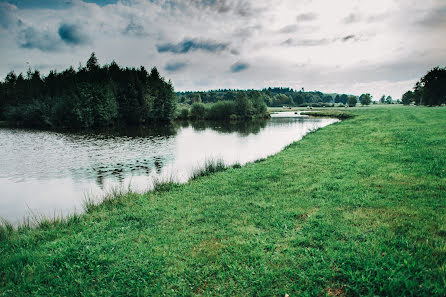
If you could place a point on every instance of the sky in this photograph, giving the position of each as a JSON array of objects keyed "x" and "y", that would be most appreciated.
[{"x": 344, "y": 46}]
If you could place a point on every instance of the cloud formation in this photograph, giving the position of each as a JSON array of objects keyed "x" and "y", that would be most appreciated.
[
  {"x": 288, "y": 29},
  {"x": 238, "y": 67},
  {"x": 190, "y": 45},
  {"x": 306, "y": 42},
  {"x": 434, "y": 19},
  {"x": 7, "y": 18},
  {"x": 348, "y": 37},
  {"x": 72, "y": 34},
  {"x": 306, "y": 17},
  {"x": 30, "y": 38},
  {"x": 175, "y": 66},
  {"x": 338, "y": 42}
]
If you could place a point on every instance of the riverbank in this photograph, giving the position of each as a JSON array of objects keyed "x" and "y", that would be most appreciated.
[{"x": 356, "y": 208}]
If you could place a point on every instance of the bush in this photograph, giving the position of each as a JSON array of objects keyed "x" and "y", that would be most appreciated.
[
  {"x": 221, "y": 110},
  {"x": 198, "y": 111},
  {"x": 352, "y": 100},
  {"x": 184, "y": 114}
]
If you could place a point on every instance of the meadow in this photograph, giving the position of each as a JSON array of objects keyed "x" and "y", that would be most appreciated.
[{"x": 355, "y": 208}]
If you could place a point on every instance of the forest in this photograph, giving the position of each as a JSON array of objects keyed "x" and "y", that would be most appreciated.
[{"x": 92, "y": 96}]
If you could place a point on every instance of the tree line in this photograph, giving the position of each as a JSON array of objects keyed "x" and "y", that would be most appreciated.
[
  {"x": 273, "y": 97},
  {"x": 430, "y": 90},
  {"x": 91, "y": 96}
]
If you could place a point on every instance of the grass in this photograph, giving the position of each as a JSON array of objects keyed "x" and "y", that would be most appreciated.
[{"x": 355, "y": 208}]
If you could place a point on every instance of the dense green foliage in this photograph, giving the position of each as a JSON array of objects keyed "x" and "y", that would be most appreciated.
[
  {"x": 242, "y": 107},
  {"x": 352, "y": 101},
  {"x": 431, "y": 89},
  {"x": 93, "y": 96},
  {"x": 270, "y": 96},
  {"x": 365, "y": 99},
  {"x": 356, "y": 209},
  {"x": 407, "y": 98}
]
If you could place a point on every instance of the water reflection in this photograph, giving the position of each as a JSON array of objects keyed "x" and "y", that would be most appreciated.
[{"x": 46, "y": 170}]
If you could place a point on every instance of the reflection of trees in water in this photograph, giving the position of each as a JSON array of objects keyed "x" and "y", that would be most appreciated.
[
  {"x": 120, "y": 171},
  {"x": 152, "y": 144},
  {"x": 242, "y": 127},
  {"x": 158, "y": 164},
  {"x": 104, "y": 134}
]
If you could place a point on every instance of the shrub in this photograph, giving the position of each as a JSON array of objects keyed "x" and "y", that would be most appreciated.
[
  {"x": 198, "y": 111},
  {"x": 221, "y": 110}
]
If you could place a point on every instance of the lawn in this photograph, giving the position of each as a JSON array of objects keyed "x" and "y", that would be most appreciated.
[{"x": 355, "y": 208}]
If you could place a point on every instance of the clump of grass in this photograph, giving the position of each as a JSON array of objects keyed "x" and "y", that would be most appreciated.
[
  {"x": 210, "y": 166},
  {"x": 6, "y": 229},
  {"x": 111, "y": 197},
  {"x": 342, "y": 115},
  {"x": 260, "y": 160},
  {"x": 236, "y": 165},
  {"x": 163, "y": 185}
]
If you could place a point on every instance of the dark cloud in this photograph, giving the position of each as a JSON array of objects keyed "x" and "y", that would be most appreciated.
[
  {"x": 174, "y": 66},
  {"x": 72, "y": 34},
  {"x": 239, "y": 66},
  {"x": 305, "y": 42},
  {"x": 348, "y": 37},
  {"x": 189, "y": 45},
  {"x": 31, "y": 38},
  {"x": 351, "y": 18},
  {"x": 434, "y": 19},
  {"x": 306, "y": 17},
  {"x": 288, "y": 29}
]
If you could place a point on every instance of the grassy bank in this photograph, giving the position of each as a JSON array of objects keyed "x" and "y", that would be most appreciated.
[
  {"x": 339, "y": 114},
  {"x": 356, "y": 208}
]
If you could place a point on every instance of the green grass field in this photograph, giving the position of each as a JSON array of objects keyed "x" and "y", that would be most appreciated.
[{"x": 355, "y": 208}]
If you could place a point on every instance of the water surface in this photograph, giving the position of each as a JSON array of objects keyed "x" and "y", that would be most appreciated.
[{"x": 49, "y": 173}]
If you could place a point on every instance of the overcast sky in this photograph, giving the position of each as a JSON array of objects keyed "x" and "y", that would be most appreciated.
[{"x": 343, "y": 46}]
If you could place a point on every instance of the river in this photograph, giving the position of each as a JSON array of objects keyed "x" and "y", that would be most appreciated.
[{"x": 46, "y": 173}]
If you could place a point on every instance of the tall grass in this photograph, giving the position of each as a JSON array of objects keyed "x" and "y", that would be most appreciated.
[{"x": 211, "y": 166}]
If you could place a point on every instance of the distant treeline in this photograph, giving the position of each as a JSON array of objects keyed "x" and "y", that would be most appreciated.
[
  {"x": 92, "y": 96},
  {"x": 430, "y": 90},
  {"x": 273, "y": 97}
]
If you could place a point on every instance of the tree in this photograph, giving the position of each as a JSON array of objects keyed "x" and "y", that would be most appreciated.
[
  {"x": 389, "y": 100},
  {"x": 198, "y": 111},
  {"x": 92, "y": 63},
  {"x": 365, "y": 99},
  {"x": 343, "y": 99},
  {"x": 352, "y": 100},
  {"x": 382, "y": 99},
  {"x": 243, "y": 106},
  {"x": 407, "y": 98},
  {"x": 432, "y": 87}
]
